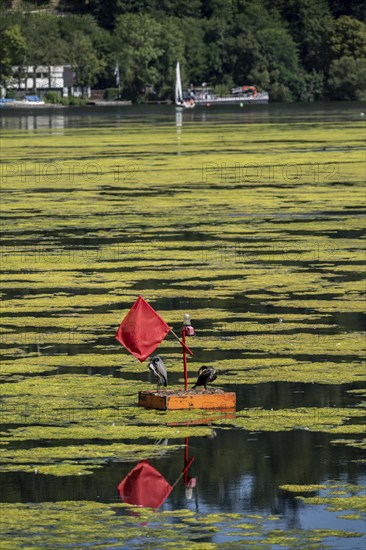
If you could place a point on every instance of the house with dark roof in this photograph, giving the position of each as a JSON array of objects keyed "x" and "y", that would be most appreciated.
[{"x": 42, "y": 79}]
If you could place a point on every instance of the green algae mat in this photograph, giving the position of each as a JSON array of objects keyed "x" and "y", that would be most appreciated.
[{"x": 255, "y": 229}]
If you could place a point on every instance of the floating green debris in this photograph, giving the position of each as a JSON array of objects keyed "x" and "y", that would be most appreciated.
[
  {"x": 302, "y": 488},
  {"x": 358, "y": 443},
  {"x": 331, "y": 420},
  {"x": 268, "y": 256},
  {"x": 76, "y": 524},
  {"x": 351, "y": 516},
  {"x": 76, "y": 460},
  {"x": 340, "y": 504},
  {"x": 336, "y": 496}
]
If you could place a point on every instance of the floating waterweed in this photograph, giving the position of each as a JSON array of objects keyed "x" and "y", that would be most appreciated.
[{"x": 268, "y": 228}]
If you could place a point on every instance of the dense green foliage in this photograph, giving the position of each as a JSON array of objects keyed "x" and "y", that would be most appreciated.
[{"x": 295, "y": 49}]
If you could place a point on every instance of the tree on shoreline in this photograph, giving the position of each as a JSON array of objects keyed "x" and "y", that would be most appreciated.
[
  {"x": 297, "y": 50},
  {"x": 12, "y": 52}
]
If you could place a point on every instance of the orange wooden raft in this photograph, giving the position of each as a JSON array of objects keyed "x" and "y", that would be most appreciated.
[{"x": 196, "y": 399}]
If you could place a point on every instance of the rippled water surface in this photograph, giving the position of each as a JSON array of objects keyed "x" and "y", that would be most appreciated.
[{"x": 251, "y": 219}]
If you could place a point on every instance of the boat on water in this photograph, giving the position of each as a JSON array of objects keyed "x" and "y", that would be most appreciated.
[
  {"x": 28, "y": 101},
  {"x": 206, "y": 96},
  {"x": 240, "y": 95},
  {"x": 180, "y": 101}
]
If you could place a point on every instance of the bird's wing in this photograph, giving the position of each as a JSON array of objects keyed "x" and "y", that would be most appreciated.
[
  {"x": 162, "y": 370},
  {"x": 204, "y": 377}
]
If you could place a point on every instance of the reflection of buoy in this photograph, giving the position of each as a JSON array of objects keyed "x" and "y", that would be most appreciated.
[
  {"x": 207, "y": 104},
  {"x": 241, "y": 104}
]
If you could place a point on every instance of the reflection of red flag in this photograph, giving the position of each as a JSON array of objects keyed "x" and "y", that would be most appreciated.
[
  {"x": 142, "y": 330},
  {"x": 144, "y": 486}
]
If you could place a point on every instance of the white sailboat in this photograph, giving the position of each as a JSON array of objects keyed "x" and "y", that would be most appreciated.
[{"x": 179, "y": 101}]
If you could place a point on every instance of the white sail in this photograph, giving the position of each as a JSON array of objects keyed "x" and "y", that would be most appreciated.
[
  {"x": 178, "y": 86},
  {"x": 179, "y": 101}
]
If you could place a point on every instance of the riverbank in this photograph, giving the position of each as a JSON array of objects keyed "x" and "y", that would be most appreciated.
[
  {"x": 110, "y": 103},
  {"x": 27, "y": 104}
]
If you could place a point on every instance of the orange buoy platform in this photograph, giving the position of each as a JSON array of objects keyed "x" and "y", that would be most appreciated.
[{"x": 210, "y": 399}]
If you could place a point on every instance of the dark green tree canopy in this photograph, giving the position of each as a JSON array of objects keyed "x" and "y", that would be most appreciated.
[{"x": 294, "y": 49}]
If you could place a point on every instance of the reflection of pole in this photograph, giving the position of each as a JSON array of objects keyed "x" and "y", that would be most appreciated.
[
  {"x": 184, "y": 359},
  {"x": 187, "y": 465},
  {"x": 185, "y": 479},
  {"x": 189, "y": 482}
]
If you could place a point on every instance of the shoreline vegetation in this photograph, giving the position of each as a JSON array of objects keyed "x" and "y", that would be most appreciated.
[{"x": 295, "y": 51}]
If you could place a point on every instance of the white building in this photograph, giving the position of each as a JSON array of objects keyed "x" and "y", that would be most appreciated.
[{"x": 42, "y": 79}]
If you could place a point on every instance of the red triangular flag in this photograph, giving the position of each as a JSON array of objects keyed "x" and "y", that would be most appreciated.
[
  {"x": 142, "y": 330},
  {"x": 144, "y": 486}
]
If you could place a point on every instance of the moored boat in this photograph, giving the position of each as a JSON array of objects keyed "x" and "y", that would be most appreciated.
[
  {"x": 28, "y": 101},
  {"x": 180, "y": 101},
  {"x": 241, "y": 94},
  {"x": 206, "y": 95}
]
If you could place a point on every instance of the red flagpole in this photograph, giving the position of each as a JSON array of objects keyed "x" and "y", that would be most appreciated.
[
  {"x": 182, "y": 343},
  {"x": 184, "y": 359}
]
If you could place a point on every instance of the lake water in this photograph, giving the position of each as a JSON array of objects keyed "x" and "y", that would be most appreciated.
[
  {"x": 251, "y": 220},
  {"x": 94, "y": 117}
]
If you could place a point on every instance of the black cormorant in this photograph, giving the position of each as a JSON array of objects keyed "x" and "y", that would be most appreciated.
[{"x": 205, "y": 375}]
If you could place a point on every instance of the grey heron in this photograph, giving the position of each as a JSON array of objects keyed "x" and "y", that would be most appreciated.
[
  {"x": 157, "y": 366},
  {"x": 205, "y": 375}
]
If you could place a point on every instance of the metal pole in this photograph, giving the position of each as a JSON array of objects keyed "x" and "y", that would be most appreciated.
[{"x": 184, "y": 359}]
